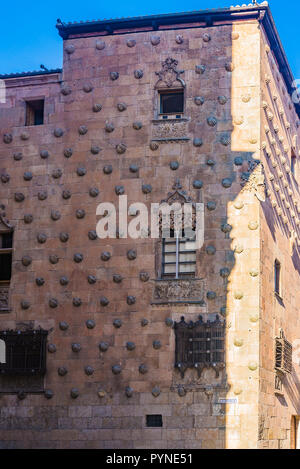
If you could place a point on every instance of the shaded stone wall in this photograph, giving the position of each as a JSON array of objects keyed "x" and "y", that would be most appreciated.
[{"x": 280, "y": 240}]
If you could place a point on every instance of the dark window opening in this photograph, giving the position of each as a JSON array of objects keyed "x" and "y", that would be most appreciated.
[
  {"x": 154, "y": 420},
  {"x": 6, "y": 240},
  {"x": 178, "y": 256},
  {"x": 293, "y": 162},
  {"x": 25, "y": 352},
  {"x": 5, "y": 267},
  {"x": 171, "y": 102},
  {"x": 277, "y": 268},
  {"x": 35, "y": 112}
]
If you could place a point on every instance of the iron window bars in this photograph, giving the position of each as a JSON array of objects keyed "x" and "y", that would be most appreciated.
[
  {"x": 199, "y": 345},
  {"x": 283, "y": 354},
  {"x": 25, "y": 352}
]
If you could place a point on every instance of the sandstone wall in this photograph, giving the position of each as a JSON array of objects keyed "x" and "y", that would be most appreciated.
[{"x": 280, "y": 240}]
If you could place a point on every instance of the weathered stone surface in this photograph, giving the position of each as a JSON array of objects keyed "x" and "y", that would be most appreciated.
[{"x": 230, "y": 121}]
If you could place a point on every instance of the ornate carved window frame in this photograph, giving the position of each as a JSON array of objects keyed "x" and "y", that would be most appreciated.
[
  {"x": 169, "y": 80},
  {"x": 187, "y": 289},
  {"x": 178, "y": 195}
]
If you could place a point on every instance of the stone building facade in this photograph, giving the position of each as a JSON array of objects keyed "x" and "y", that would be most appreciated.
[{"x": 102, "y": 318}]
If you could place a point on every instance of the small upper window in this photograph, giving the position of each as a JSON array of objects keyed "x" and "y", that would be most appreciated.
[
  {"x": 277, "y": 268},
  {"x": 171, "y": 102},
  {"x": 35, "y": 112}
]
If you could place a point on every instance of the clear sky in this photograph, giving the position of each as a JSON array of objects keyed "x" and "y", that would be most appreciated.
[{"x": 29, "y": 37}]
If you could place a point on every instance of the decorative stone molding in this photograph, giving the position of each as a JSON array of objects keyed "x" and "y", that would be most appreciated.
[
  {"x": 128, "y": 391},
  {"x": 90, "y": 323},
  {"x": 200, "y": 69},
  {"x": 155, "y": 40},
  {"x": 82, "y": 129},
  {"x": 66, "y": 194},
  {"x": 58, "y": 132},
  {"x": 74, "y": 393},
  {"x": 19, "y": 197},
  {"x": 117, "y": 278},
  {"x": 43, "y": 154},
  {"x": 153, "y": 145},
  {"x": 114, "y": 75},
  {"x": 169, "y": 129},
  {"x": 100, "y": 45},
  {"x": 87, "y": 88},
  {"x": 56, "y": 173},
  {"x": 5, "y": 178},
  {"x": 65, "y": 90},
  {"x": 93, "y": 192},
  {"x": 40, "y": 281},
  {"x": 107, "y": 169},
  {"x": 131, "y": 42},
  {"x": 7, "y": 138},
  {"x": 48, "y": 393},
  {"x": 138, "y": 74},
  {"x": 70, "y": 49},
  {"x": 169, "y": 74},
  {"x": 97, "y": 107},
  {"x": 63, "y": 325},
  {"x": 18, "y": 156},
  {"x": 174, "y": 165},
  {"x": 4, "y": 297},
  {"x": 130, "y": 346},
  {"x": 137, "y": 125},
  {"x": 187, "y": 291}
]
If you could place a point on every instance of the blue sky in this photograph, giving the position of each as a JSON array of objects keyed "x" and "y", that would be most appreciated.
[{"x": 29, "y": 37}]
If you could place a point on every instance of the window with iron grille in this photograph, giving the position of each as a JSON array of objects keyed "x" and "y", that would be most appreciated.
[
  {"x": 154, "y": 420},
  {"x": 178, "y": 256},
  {"x": 283, "y": 354},
  {"x": 25, "y": 352},
  {"x": 199, "y": 344}
]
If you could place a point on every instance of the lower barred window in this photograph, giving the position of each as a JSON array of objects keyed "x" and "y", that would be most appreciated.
[{"x": 199, "y": 344}]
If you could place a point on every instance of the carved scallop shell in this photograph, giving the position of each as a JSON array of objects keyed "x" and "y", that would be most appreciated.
[
  {"x": 155, "y": 40},
  {"x": 100, "y": 45}
]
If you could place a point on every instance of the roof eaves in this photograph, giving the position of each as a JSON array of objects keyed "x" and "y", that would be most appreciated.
[
  {"x": 30, "y": 74},
  {"x": 155, "y": 21}
]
